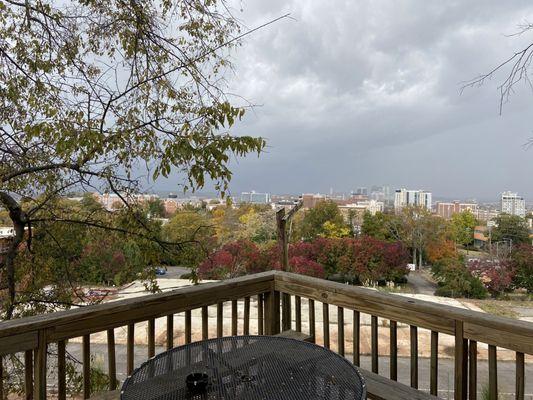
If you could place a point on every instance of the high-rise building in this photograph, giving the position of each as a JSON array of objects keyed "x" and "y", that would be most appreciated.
[
  {"x": 513, "y": 204},
  {"x": 446, "y": 210},
  {"x": 418, "y": 198}
]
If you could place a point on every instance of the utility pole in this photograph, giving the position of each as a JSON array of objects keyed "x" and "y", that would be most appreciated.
[{"x": 282, "y": 219}]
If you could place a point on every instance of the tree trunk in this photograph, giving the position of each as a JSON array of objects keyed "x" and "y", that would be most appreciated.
[
  {"x": 18, "y": 217},
  {"x": 414, "y": 256},
  {"x": 420, "y": 258}
]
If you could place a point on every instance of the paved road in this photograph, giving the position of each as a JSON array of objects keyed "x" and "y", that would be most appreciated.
[
  {"x": 506, "y": 369},
  {"x": 420, "y": 284},
  {"x": 174, "y": 273}
]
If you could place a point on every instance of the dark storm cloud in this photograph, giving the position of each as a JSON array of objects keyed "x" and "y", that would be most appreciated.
[{"x": 368, "y": 92}]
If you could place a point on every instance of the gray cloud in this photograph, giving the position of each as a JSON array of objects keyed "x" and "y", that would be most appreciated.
[{"x": 367, "y": 92}]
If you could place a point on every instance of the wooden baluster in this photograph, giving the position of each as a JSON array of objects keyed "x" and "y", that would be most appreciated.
[
  {"x": 28, "y": 374},
  {"x": 188, "y": 327},
  {"x": 460, "y": 379},
  {"x": 374, "y": 336},
  {"x": 170, "y": 331},
  {"x": 414, "y": 356},
  {"x": 272, "y": 303},
  {"x": 129, "y": 349},
  {"x": 312, "y": 327},
  {"x": 325, "y": 324},
  {"x": 298, "y": 311},
  {"x": 61, "y": 371},
  {"x": 286, "y": 317},
  {"x": 434, "y": 364},
  {"x": 260, "y": 321},
  {"x": 520, "y": 376},
  {"x": 151, "y": 337},
  {"x": 39, "y": 366},
  {"x": 220, "y": 320},
  {"x": 472, "y": 370},
  {"x": 340, "y": 330},
  {"x": 356, "y": 338},
  {"x": 111, "y": 359},
  {"x": 234, "y": 318},
  {"x": 493, "y": 373},
  {"x": 86, "y": 354},
  {"x": 393, "y": 371},
  {"x": 246, "y": 323},
  {"x": 205, "y": 323}
]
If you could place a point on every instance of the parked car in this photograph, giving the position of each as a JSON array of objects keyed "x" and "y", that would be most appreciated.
[{"x": 160, "y": 271}]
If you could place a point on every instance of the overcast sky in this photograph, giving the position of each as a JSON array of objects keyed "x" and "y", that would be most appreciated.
[{"x": 355, "y": 93}]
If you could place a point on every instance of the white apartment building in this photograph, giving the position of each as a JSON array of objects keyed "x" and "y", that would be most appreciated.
[
  {"x": 419, "y": 198},
  {"x": 512, "y": 203}
]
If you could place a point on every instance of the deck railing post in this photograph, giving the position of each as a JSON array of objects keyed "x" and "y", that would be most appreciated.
[
  {"x": 272, "y": 303},
  {"x": 40, "y": 366}
]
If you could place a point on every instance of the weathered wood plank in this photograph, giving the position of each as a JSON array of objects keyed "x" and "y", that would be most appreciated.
[
  {"x": 312, "y": 326},
  {"x": 246, "y": 319},
  {"x": 170, "y": 331},
  {"x": 393, "y": 337},
  {"x": 459, "y": 393},
  {"x": 151, "y": 337},
  {"x": 234, "y": 317},
  {"x": 188, "y": 327},
  {"x": 272, "y": 313},
  {"x": 18, "y": 342},
  {"x": 205, "y": 323},
  {"x": 434, "y": 364},
  {"x": 414, "y": 356},
  {"x": 298, "y": 312},
  {"x": 61, "y": 371},
  {"x": 286, "y": 312},
  {"x": 260, "y": 317},
  {"x": 86, "y": 355},
  {"x": 130, "y": 343},
  {"x": 325, "y": 324},
  {"x": 472, "y": 370},
  {"x": 520, "y": 376},
  {"x": 381, "y": 388},
  {"x": 28, "y": 374},
  {"x": 493, "y": 373},
  {"x": 374, "y": 343},
  {"x": 39, "y": 366},
  {"x": 340, "y": 330},
  {"x": 111, "y": 359},
  {"x": 220, "y": 320},
  {"x": 356, "y": 338}
]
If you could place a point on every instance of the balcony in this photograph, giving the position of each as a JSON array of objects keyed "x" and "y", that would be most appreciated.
[{"x": 331, "y": 314}]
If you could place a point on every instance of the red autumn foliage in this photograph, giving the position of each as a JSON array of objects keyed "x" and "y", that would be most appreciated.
[
  {"x": 497, "y": 276},
  {"x": 364, "y": 259}
]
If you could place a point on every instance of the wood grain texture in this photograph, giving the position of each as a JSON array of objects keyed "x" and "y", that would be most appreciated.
[
  {"x": 459, "y": 393},
  {"x": 340, "y": 330},
  {"x": 356, "y": 338},
  {"x": 472, "y": 370},
  {"x": 393, "y": 338},
  {"x": 170, "y": 331},
  {"x": 414, "y": 356},
  {"x": 312, "y": 326},
  {"x": 130, "y": 353},
  {"x": 325, "y": 324},
  {"x": 434, "y": 364},
  {"x": 220, "y": 320},
  {"x": 260, "y": 317},
  {"x": 374, "y": 343},
  {"x": 151, "y": 337},
  {"x": 298, "y": 312},
  {"x": 520, "y": 377},
  {"x": 61, "y": 371},
  {"x": 28, "y": 374},
  {"x": 205, "y": 323},
  {"x": 86, "y": 355},
  {"x": 234, "y": 318},
  {"x": 246, "y": 322},
  {"x": 493, "y": 373},
  {"x": 111, "y": 359}
]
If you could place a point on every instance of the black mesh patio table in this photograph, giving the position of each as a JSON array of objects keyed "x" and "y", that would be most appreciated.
[{"x": 247, "y": 368}]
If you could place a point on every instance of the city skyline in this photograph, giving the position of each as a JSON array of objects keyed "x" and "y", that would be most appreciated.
[{"x": 361, "y": 94}]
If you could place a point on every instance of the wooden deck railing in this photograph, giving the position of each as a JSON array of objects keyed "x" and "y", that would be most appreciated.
[{"x": 274, "y": 292}]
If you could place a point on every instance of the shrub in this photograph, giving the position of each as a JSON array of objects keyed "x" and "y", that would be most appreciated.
[
  {"x": 497, "y": 276},
  {"x": 522, "y": 263}
]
